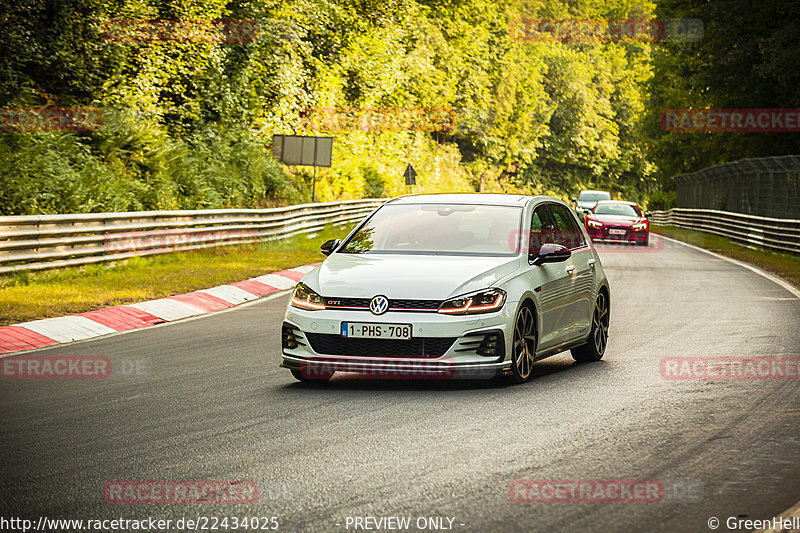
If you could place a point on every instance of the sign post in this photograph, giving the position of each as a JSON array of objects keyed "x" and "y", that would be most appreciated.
[
  {"x": 411, "y": 176},
  {"x": 304, "y": 150}
]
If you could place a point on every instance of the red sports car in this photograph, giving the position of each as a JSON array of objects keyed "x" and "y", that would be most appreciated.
[{"x": 612, "y": 220}]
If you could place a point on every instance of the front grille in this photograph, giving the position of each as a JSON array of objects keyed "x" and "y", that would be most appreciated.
[
  {"x": 415, "y": 304},
  {"x": 347, "y": 302},
  {"x": 328, "y": 344},
  {"x": 360, "y": 304}
]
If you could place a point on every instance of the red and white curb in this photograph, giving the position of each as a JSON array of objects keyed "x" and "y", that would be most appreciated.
[{"x": 51, "y": 331}]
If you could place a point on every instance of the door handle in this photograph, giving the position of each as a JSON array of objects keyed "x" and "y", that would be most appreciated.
[{"x": 570, "y": 269}]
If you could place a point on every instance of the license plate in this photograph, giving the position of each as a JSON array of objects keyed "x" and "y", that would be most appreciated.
[
  {"x": 369, "y": 330},
  {"x": 616, "y": 232}
]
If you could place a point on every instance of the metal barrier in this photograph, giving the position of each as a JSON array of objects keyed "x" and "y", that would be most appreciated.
[
  {"x": 779, "y": 234},
  {"x": 766, "y": 187},
  {"x": 50, "y": 241}
]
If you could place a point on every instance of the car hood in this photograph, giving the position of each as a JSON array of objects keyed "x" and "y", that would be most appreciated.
[
  {"x": 423, "y": 277},
  {"x": 617, "y": 219}
]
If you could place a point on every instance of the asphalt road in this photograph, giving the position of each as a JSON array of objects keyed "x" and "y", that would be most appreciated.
[{"x": 207, "y": 401}]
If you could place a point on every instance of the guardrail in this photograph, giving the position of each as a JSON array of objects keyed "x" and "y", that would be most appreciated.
[
  {"x": 40, "y": 242},
  {"x": 779, "y": 234}
]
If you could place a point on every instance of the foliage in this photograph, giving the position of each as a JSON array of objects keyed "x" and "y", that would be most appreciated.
[
  {"x": 746, "y": 59},
  {"x": 661, "y": 200},
  {"x": 189, "y": 124}
]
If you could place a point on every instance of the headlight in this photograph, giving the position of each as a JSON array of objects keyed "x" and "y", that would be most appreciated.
[
  {"x": 484, "y": 301},
  {"x": 305, "y": 298},
  {"x": 594, "y": 224},
  {"x": 640, "y": 225}
]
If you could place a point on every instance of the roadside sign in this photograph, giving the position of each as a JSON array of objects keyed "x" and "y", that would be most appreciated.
[
  {"x": 303, "y": 150},
  {"x": 411, "y": 175}
]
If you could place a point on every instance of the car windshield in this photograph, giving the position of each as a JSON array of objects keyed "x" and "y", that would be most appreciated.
[
  {"x": 441, "y": 229},
  {"x": 623, "y": 210},
  {"x": 593, "y": 196}
]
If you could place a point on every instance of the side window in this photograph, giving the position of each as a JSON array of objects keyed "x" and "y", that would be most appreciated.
[
  {"x": 567, "y": 232},
  {"x": 541, "y": 229}
]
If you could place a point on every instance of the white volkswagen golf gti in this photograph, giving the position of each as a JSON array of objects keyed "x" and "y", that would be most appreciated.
[{"x": 450, "y": 285}]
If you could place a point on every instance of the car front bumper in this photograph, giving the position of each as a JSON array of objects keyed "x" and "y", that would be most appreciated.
[
  {"x": 441, "y": 346},
  {"x": 630, "y": 235}
]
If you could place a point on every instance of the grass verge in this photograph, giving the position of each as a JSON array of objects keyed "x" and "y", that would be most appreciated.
[
  {"x": 33, "y": 295},
  {"x": 785, "y": 266}
]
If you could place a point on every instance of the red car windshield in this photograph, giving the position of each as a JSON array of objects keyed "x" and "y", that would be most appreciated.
[{"x": 623, "y": 210}]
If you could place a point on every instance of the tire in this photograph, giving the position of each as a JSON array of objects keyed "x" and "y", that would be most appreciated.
[
  {"x": 299, "y": 376},
  {"x": 596, "y": 344},
  {"x": 523, "y": 346}
]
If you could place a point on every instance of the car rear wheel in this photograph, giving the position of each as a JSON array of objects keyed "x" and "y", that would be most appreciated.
[
  {"x": 523, "y": 347},
  {"x": 595, "y": 345}
]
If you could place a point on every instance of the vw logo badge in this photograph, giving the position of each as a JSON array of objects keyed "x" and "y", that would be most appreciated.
[{"x": 379, "y": 305}]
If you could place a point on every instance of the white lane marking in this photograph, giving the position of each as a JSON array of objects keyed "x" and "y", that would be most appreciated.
[
  {"x": 267, "y": 298},
  {"x": 230, "y": 294},
  {"x": 279, "y": 282},
  {"x": 791, "y": 288},
  {"x": 168, "y": 309},
  {"x": 67, "y": 328}
]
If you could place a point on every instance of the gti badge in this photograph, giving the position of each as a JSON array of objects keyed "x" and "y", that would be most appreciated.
[{"x": 379, "y": 305}]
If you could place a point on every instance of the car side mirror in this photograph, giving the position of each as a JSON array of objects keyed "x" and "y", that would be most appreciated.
[
  {"x": 550, "y": 253},
  {"x": 329, "y": 246},
  {"x": 575, "y": 200},
  {"x": 647, "y": 214}
]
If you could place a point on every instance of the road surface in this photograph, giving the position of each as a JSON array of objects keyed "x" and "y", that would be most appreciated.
[{"x": 204, "y": 399}]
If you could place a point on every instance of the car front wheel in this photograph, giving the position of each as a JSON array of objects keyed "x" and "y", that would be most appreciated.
[
  {"x": 524, "y": 345},
  {"x": 595, "y": 345}
]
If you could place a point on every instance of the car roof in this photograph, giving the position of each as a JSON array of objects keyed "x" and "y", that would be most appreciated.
[
  {"x": 616, "y": 202},
  {"x": 604, "y": 192},
  {"x": 465, "y": 198}
]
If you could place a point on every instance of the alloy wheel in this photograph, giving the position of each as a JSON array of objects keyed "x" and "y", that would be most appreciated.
[{"x": 524, "y": 343}]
